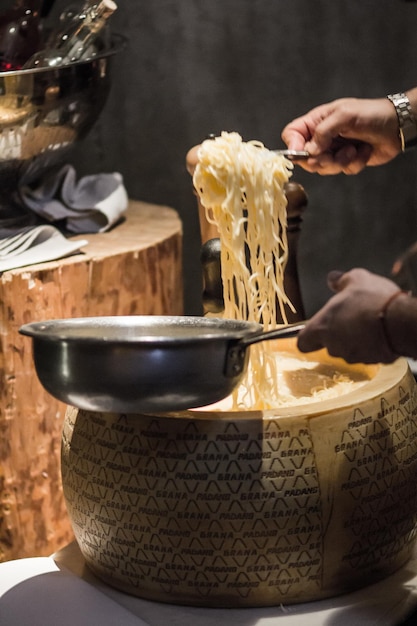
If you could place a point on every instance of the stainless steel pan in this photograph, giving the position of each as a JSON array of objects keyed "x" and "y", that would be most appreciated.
[{"x": 143, "y": 363}]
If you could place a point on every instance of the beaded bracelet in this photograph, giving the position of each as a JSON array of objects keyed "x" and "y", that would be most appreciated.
[{"x": 382, "y": 316}]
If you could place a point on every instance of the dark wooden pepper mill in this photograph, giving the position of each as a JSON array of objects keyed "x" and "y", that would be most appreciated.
[
  {"x": 210, "y": 252},
  {"x": 297, "y": 203}
]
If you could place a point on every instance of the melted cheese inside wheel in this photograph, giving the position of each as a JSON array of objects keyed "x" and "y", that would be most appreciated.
[{"x": 302, "y": 380}]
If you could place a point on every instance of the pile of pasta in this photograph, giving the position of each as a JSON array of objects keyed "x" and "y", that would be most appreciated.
[{"x": 241, "y": 185}]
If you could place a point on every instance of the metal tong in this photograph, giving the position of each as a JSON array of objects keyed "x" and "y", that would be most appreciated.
[{"x": 294, "y": 155}]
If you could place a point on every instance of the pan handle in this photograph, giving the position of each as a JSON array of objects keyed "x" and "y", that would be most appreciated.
[{"x": 236, "y": 353}]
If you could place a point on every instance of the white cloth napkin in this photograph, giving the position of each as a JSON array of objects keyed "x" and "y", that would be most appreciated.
[{"x": 92, "y": 204}]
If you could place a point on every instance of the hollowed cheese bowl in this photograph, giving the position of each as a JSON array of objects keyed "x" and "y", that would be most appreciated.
[{"x": 226, "y": 508}]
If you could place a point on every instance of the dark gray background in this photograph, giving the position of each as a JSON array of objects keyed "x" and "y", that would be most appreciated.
[{"x": 198, "y": 66}]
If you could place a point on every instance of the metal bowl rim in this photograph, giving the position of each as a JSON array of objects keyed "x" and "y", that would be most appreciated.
[
  {"x": 56, "y": 330},
  {"x": 117, "y": 43}
]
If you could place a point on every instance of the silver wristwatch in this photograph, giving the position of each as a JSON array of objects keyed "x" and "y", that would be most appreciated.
[{"x": 406, "y": 120}]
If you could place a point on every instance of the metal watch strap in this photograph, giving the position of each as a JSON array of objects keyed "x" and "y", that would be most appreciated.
[{"x": 406, "y": 120}]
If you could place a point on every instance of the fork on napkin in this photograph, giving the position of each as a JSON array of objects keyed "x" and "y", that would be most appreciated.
[{"x": 36, "y": 244}]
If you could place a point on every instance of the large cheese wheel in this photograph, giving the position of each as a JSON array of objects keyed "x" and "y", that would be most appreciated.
[{"x": 248, "y": 508}]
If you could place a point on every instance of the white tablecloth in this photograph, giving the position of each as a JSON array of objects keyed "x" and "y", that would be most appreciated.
[{"x": 61, "y": 591}]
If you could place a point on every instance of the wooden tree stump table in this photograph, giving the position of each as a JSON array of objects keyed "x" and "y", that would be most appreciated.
[{"x": 136, "y": 268}]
